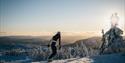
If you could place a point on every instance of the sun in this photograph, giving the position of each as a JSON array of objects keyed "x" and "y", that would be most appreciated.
[{"x": 114, "y": 19}]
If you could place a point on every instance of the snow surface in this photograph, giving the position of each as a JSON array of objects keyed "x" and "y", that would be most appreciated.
[{"x": 112, "y": 58}]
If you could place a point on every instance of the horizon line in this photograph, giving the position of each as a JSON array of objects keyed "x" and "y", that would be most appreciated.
[{"x": 83, "y": 33}]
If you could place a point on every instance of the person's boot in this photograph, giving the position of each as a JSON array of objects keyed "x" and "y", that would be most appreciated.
[{"x": 49, "y": 60}]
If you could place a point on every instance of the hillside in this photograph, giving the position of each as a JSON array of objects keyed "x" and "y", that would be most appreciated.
[{"x": 35, "y": 51}]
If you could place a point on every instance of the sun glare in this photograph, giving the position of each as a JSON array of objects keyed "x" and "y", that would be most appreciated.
[{"x": 108, "y": 21}]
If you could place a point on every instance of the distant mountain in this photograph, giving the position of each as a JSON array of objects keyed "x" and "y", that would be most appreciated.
[
  {"x": 68, "y": 39},
  {"x": 93, "y": 42}
]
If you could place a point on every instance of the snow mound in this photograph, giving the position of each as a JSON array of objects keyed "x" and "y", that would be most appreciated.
[
  {"x": 72, "y": 60},
  {"x": 112, "y": 58}
]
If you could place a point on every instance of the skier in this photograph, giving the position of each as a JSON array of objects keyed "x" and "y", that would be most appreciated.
[{"x": 56, "y": 38}]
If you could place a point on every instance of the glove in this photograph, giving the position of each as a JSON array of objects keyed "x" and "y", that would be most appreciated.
[{"x": 48, "y": 45}]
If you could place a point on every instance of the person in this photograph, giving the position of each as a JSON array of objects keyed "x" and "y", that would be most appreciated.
[
  {"x": 103, "y": 45},
  {"x": 52, "y": 44}
]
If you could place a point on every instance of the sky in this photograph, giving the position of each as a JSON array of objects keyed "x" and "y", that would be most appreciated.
[{"x": 44, "y": 16}]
